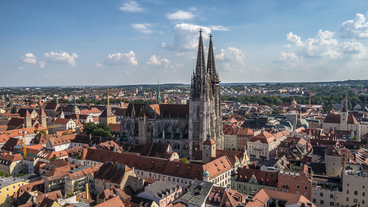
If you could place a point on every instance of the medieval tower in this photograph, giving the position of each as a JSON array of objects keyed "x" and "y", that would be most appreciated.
[{"x": 205, "y": 117}]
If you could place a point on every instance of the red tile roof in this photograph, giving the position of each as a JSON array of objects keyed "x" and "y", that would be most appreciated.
[{"x": 113, "y": 202}]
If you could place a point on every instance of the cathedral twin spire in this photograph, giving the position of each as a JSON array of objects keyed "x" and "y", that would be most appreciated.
[{"x": 201, "y": 69}]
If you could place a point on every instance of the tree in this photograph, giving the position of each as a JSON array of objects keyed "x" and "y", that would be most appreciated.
[
  {"x": 100, "y": 129},
  {"x": 355, "y": 138},
  {"x": 41, "y": 132},
  {"x": 65, "y": 132},
  {"x": 184, "y": 160},
  {"x": 53, "y": 158},
  {"x": 277, "y": 111},
  {"x": 247, "y": 115},
  {"x": 14, "y": 110}
]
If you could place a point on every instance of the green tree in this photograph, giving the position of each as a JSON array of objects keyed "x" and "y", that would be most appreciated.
[
  {"x": 41, "y": 132},
  {"x": 100, "y": 129},
  {"x": 184, "y": 160},
  {"x": 277, "y": 112},
  {"x": 53, "y": 158},
  {"x": 102, "y": 133},
  {"x": 247, "y": 115},
  {"x": 14, "y": 110},
  {"x": 65, "y": 132},
  {"x": 355, "y": 138}
]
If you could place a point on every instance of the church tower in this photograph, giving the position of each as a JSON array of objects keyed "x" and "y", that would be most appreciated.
[
  {"x": 344, "y": 102},
  {"x": 27, "y": 120},
  {"x": 204, "y": 103},
  {"x": 158, "y": 93},
  {"x": 43, "y": 118},
  {"x": 208, "y": 150}
]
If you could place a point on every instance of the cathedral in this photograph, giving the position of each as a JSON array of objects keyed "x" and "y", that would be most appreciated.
[{"x": 185, "y": 127}]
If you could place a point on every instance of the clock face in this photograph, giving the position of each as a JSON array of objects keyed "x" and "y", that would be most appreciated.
[{"x": 207, "y": 147}]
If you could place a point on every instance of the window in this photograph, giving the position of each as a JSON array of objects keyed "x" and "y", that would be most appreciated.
[
  {"x": 347, "y": 199},
  {"x": 347, "y": 184},
  {"x": 331, "y": 196},
  {"x": 306, "y": 194},
  {"x": 297, "y": 186},
  {"x": 332, "y": 203},
  {"x": 314, "y": 200},
  {"x": 363, "y": 202},
  {"x": 322, "y": 202},
  {"x": 321, "y": 194},
  {"x": 7, "y": 189},
  {"x": 347, "y": 192},
  {"x": 363, "y": 193},
  {"x": 355, "y": 200}
]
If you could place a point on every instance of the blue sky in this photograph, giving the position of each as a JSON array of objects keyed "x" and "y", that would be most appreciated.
[{"x": 64, "y": 43}]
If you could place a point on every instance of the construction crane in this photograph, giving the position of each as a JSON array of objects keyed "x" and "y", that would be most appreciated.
[
  {"x": 24, "y": 142},
  {"x": 310, "y": 98},
  {"x": 108, "y": 95}
]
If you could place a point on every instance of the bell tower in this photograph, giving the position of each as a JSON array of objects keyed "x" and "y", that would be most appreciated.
[{"x": 204, "y": 102}]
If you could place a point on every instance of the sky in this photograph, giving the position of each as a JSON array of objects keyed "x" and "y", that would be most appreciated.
[{"x": 89, "y": 42}]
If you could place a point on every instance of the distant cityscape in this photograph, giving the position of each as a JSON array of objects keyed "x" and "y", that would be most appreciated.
[{"x": 175, "y": 145}]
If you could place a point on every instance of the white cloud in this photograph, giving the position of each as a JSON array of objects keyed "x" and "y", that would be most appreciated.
[
  {"x": 28, "y": 58},
  {"x": 99, "y": 65},
  {"x": 231, "y": 54},
  {"x": 352, "y": 48},
  {"x": 179, "y": 54},
  {"x": 193, "y": 9},
  {"x": 316, "y": 47},
  {"x": 153, "y": 60},
  {"x": 287, "y": 46},
  {"x": 186, "y": 37},
  {"x": 180, "y": 15},
  {"x": 62, "y": 57},
  {"x": 142, "y": 28},
  {"x": 355, "y": 29},
  {"x": 227, "y": 67},
  {"x": 179, "y": 65},
  {"x": 131, "y": 6},
  {"x": 128, "y": 73},
  {"x": 41, "y": 64},
  {"x": 121, "y": 59},
  {"x": 331, "y": 53},
  {"x": 289, "y": 60},
  {"x": 294, "y": 39},
  {"x": 219, "y": 28},
  {"x": 20, "y": 67}
]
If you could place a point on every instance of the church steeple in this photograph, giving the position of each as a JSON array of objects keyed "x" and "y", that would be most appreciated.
[
  {"x": 211, "y": 67},
  {"x": 201, "y": 64},
  {"x": 158, "y": 93}
]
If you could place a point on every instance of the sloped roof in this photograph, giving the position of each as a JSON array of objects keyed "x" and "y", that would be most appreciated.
[
  {"x": 51, "y": 106},
  {"x": 113, "y": 202},
  {"x": 163, "y": 166},
  {"x": 174, "y": 110},
  {"x": 112, "y": 172},
  {"x": 61, "y": 121},
  {"x": 9, "y": 145},
  {"x": 107, "y": 113}
]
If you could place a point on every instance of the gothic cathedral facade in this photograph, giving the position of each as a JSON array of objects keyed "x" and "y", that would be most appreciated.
[
  {"x": 205, "y": 117},
  {"x": 185, "y": 127}
]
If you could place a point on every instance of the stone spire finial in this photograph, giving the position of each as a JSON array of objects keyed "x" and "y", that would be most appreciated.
[
  {"x": 201, "y": 64},
  {"x": 211, "y": 67}
]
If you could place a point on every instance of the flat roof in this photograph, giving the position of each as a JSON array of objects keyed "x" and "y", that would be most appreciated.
[{"x": 4, "y": 182}]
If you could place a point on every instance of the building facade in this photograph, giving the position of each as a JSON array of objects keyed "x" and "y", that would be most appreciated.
[{"x": 185, "y": 127}]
